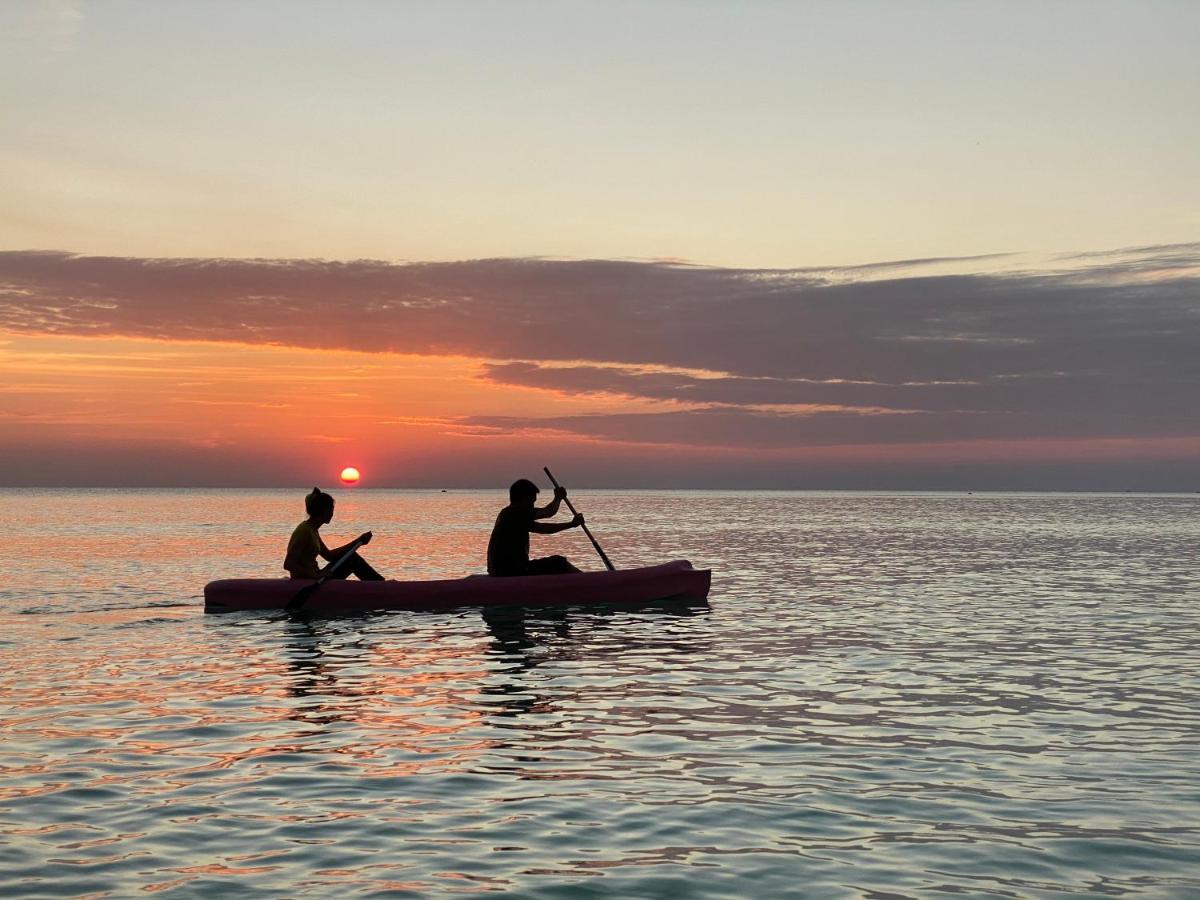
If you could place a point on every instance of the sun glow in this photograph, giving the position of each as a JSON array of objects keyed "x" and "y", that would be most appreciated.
[{"x": 350, "y": 475}]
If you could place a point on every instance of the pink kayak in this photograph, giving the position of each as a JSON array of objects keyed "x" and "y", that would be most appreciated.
[{"x": 670, "y": 581}]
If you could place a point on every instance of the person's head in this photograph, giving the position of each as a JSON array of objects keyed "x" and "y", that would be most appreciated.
[
  {"x": 319, "y": 506},
  {"x": 522, "y": 492}
]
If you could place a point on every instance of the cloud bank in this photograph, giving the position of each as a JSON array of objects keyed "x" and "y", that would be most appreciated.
[{"x": 1097, "y": 345}]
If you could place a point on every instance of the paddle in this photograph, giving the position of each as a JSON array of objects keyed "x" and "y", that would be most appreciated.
[
  {"x": 603, "y": 557},
  {"x": 304, "y": 593}
]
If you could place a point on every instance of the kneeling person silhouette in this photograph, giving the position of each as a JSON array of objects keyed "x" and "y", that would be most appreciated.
[
  {"x": 508, "y": 548},
  {"x": 306, "y": 545}
]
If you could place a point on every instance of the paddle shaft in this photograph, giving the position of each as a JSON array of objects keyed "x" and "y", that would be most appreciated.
[
  {"x": 305, "y": 592},
  {"x": 603, "y": 556}
]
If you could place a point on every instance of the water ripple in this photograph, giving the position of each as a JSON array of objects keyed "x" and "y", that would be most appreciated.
[{"x": 889, "y": 696}]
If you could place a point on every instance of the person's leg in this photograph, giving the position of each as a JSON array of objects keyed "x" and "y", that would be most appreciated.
[
  {"x": 551, "y": 565},
  {"x": 357, "y": 566},
  {"x": 361, "y": 569}
]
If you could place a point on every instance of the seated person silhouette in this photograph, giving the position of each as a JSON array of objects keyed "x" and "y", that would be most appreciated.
[
  {"x": 508, "y": 549},
  {"x": 306, "y": 545}
]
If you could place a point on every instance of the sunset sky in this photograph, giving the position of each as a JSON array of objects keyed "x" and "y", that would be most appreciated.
[{"x": 694, "y": 244}]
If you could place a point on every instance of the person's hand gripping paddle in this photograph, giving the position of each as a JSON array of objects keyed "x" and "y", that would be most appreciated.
[
  {"x": 304, "y": 593},
  {"x": 603, "y": 557}
]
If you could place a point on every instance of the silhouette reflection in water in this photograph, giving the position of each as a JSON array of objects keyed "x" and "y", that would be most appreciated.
[
  {"x": 312, "y": 674},
  {"x": 402, "y": 690},
  {"x": 526, "y": 638}
]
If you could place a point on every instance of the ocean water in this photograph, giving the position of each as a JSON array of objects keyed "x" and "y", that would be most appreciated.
[{"x": 888, "y": 695}]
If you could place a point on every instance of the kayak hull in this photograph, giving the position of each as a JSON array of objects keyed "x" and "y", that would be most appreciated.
[{"x": 670, "y": 581}]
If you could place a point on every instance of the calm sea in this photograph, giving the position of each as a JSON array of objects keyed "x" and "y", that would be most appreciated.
[{"x": 888, "y": 695}]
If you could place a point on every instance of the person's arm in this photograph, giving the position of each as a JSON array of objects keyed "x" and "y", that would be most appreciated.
[
  {"x": 550, "y": 510},
  {"x": 555, "y": 527},
  {"x": 336, "y": 553}
]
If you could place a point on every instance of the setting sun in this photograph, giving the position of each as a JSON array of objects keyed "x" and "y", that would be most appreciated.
[{"x": 350, "y": 475}]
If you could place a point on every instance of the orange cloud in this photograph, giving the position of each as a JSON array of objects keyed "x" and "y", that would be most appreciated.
[
  {"x": 289, "y": 404},
  {"x": 273, "y": 369}
]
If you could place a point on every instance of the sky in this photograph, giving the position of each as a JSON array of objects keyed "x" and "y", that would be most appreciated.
[{"x": 749, "y": 245}]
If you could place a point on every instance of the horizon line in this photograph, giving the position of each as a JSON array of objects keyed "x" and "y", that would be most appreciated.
[{"x": 502, "y": 489}]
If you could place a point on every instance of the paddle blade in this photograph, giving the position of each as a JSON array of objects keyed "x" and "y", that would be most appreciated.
[{"x": 302, "y": 596}]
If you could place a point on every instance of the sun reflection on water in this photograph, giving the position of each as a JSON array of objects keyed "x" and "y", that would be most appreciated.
[{"x": 983, "y": 695}]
